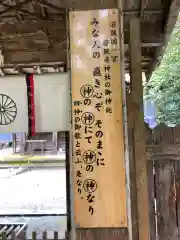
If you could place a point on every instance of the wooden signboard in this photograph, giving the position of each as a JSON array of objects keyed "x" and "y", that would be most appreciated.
[{"x": 98, "y": 146}]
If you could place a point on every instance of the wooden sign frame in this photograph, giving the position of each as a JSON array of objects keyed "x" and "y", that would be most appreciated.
[{"x": 99, "y": 174}]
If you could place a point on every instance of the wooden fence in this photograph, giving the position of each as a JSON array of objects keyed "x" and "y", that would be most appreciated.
[
  {"x": 163, "y": 149},
  {"x": 22, "y": 236}
]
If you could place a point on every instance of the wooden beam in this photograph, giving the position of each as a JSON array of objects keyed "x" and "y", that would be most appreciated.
[
  {"x": 146, "y": 11},
  {"x": 40, "y": 9},
  {"x": 139, "y": 156},
  {"x": 32, "y": 64},
  {"x": 4, "y": 71},
  {"x": 149, "y": 39},
  {"x": 11, "y": 17},
  {"x": 28, "y": 57},
  {"x": 149, "y": 44},
  {"x": 29, "y": 26},
  {"x": 36, "y": 15},
  {"x": 81, "y": 5},
  {"x": 12, "y": 7},
  {"x": 163, "y": 152},
  {"x": 143, "y": 59},
  {"x": 144, "y": 69},
  {"x": 143, "y": 64},
  {"x": 20, "y": 10},
  {"x": 19, "y": 17},
  {"x": 50, "y": 5},
  {"x": 39, "y": 46},
  {"x": 127, "y": 70},
  {"x": 149, "y": 36},
  {"x": 170, "y": 23},
  {"x": 144, "y": 4}
]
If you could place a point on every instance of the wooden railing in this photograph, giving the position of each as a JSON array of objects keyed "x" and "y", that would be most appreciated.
[{"x": 23, "y": 236}]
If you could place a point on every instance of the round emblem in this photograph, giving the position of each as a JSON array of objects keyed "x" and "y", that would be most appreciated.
[{"x": 8, "y": 110}]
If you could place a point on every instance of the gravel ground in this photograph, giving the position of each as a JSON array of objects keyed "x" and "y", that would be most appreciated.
[{"x": 36, "y": 191}]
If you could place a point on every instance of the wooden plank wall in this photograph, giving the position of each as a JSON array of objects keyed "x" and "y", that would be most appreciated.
[
  {"x": 163, "y": 163},
  {"x": 164, "y": 185}
]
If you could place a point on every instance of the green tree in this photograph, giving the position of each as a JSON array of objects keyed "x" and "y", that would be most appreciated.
[{"x": 164, "y": 85}]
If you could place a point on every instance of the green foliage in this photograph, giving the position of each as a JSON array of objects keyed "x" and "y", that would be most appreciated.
[{"x": 164, "y": 85}]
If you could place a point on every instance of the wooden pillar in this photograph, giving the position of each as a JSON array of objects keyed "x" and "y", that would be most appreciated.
[
  {"x": 22, "y": 142},
  {"x": 132, "y": 175},
  {"x": 55, "y": 141},
  {"x": 139, "y": 156},
  {"x": 14, "y": 141}
]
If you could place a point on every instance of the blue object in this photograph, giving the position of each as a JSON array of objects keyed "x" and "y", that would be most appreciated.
[
  {"x": 150, "y": 113},
  {"x": 6, "y": 137}
]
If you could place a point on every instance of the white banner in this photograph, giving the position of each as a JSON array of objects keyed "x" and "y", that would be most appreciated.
[
  {"x": 51, "y": 100},
  {"x": 13, "y": 105}
]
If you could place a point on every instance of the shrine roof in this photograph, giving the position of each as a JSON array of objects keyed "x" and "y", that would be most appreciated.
[{"x": 34, "y": 33}]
